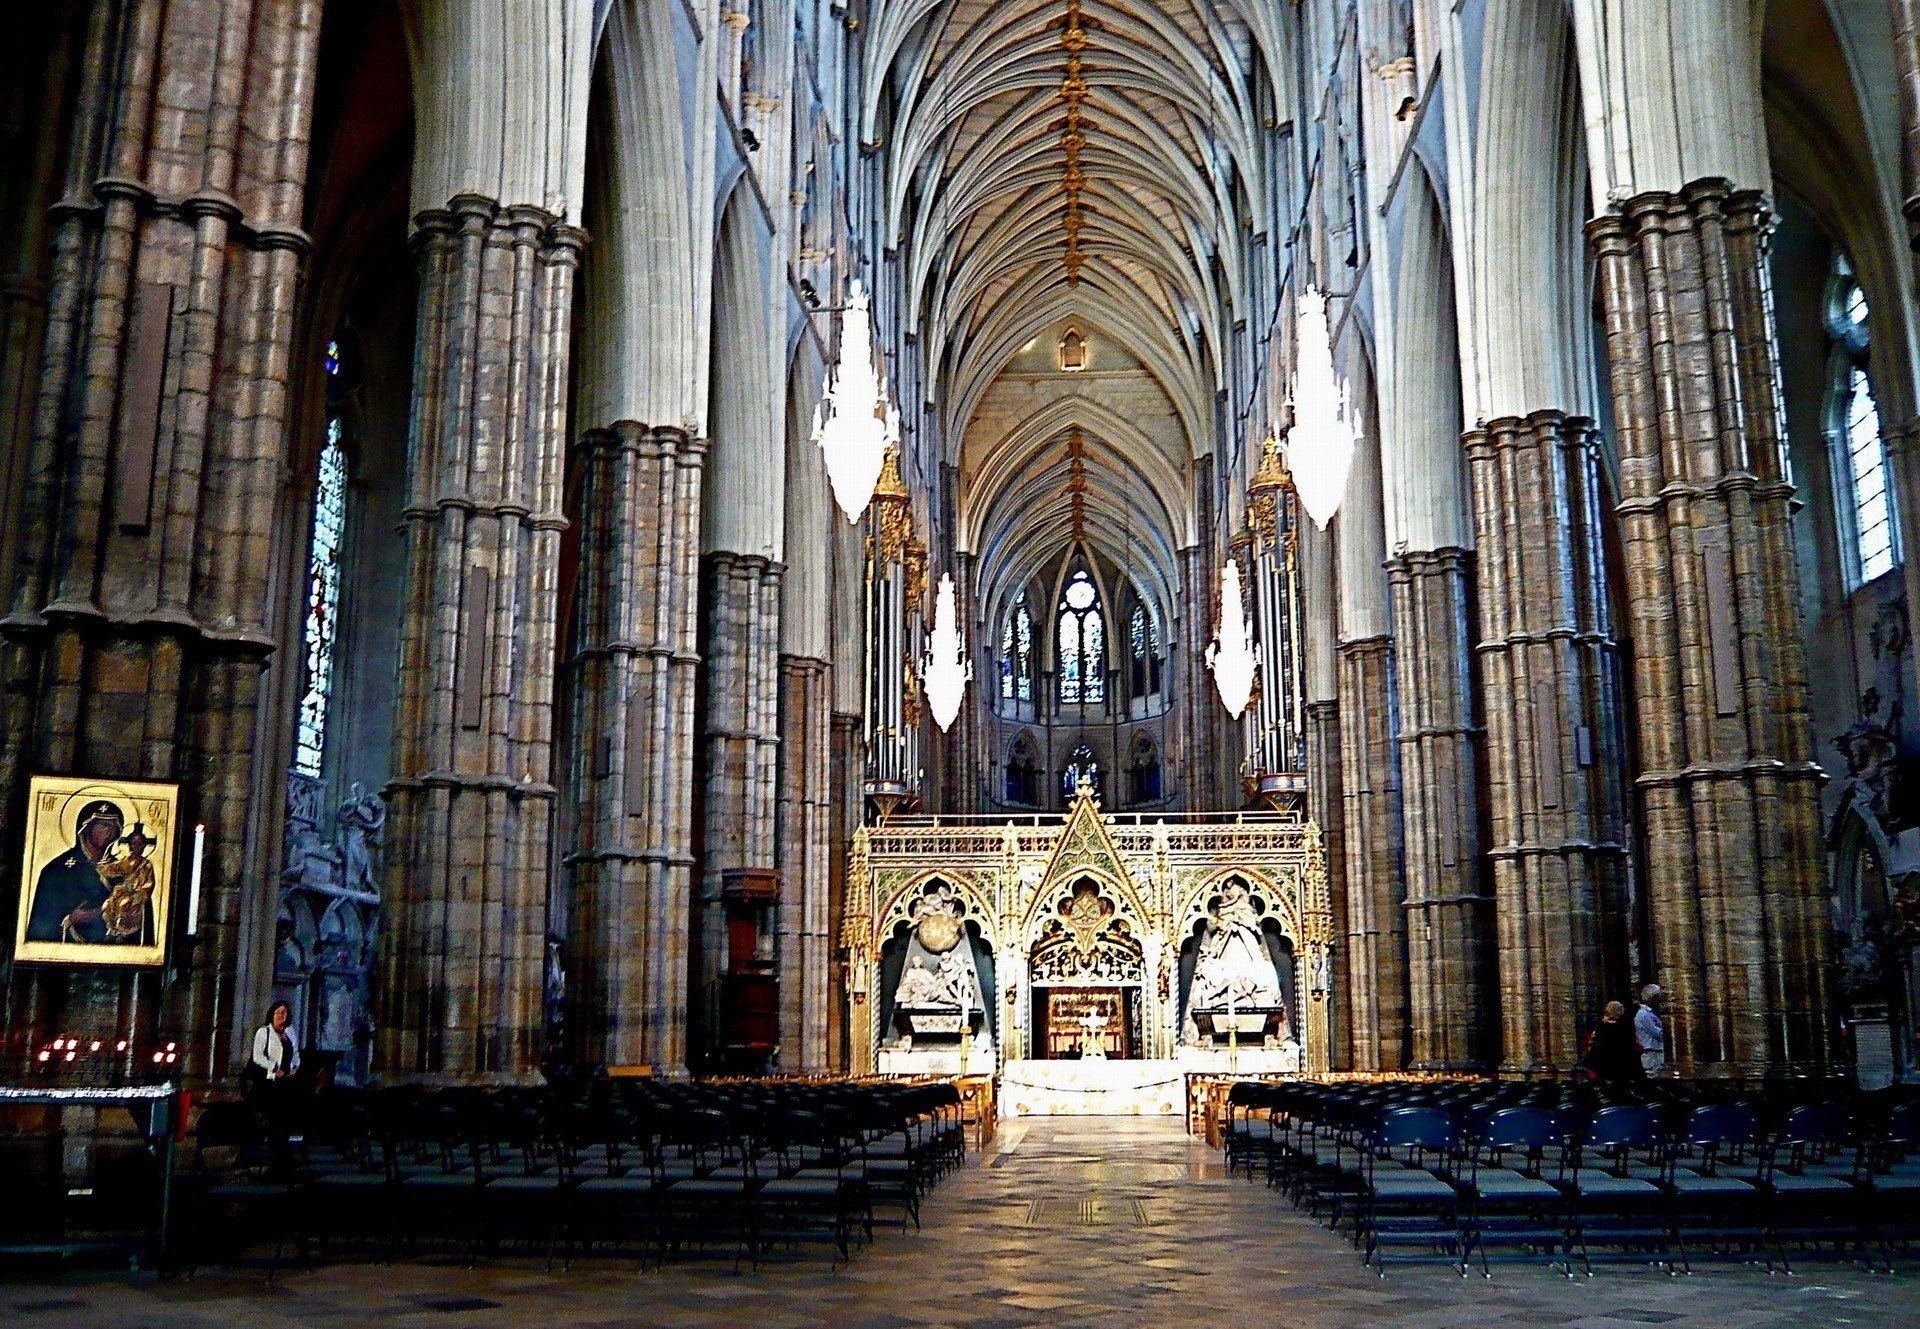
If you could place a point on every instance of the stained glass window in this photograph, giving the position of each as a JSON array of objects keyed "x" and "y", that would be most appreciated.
[
  {"x": 1854, "y": 426},
  {"x": 1023, "y": 650},
  {"x": 1082, "y": 643},
  {"x": 1082, "y": 765},
  {"x": 323, "y": 592},
  {"x": 1016, "y": 654},
  {"x": 1137, "y": 649},
  {"x": 1007, "y": 669}
]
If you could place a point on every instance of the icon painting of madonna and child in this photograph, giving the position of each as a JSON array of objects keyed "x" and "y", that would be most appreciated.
[{"x": 96, "y": 879}]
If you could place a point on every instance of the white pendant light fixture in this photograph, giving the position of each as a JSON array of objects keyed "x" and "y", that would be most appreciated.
[
  {"x": 1232, "y": 655},
  {"x": 1320, "y": 445},
  {"x": 945, "y": 672},
  {"x": 853, "y": 421}
]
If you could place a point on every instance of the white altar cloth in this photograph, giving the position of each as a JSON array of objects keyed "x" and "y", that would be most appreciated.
[{"x": 1092, "y": 1088}]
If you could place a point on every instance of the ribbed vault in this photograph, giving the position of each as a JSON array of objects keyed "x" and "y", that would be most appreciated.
[{"x": 1084, "y": 162}]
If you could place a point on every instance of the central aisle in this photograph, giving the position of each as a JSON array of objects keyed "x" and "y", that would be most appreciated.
[{"x": 1065, "y": 1221}]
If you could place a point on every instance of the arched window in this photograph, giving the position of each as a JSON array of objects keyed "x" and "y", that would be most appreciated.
[
  {"x": 1143, "y": 649},
  {"x": 1144, "y": 771},
  {"x": 1073, "y": 351},
  {"x": 1023, "y": 774},
  {"x": 1082, "y": 765},
  {"x": 1082, "y": 642},
  {"x": 323, "y": 581},
  {"x": 1853, "y": 427},
  {"x": 1016, "y": 653}
]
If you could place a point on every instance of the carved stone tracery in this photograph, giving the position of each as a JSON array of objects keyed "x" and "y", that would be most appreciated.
[{"x": 1089, "y": 901}]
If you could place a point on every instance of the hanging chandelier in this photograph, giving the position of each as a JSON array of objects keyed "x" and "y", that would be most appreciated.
[
  {"x": 945, "y": 672},
  {"x": 1231, "y": 657},
  {"x": 1320, "y": 445},
  {"x": 855, "y": 420}
]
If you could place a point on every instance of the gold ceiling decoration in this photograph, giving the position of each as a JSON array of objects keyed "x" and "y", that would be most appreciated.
[
  {"x": 1077, "y": 481},
  {"x": 1073, "y": 137}
]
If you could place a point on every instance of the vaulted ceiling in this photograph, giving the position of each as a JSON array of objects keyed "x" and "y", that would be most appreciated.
[{"x": 1072, "y": 160}]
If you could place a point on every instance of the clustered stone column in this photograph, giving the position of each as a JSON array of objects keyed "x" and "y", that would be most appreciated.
[
  {"x": 1735, "y": 880},
  {"x": 136, "y": 534},
  {"x": 471, "y": 798},
  {"x": 844, "y": 778},
  {"x": 805, "y": 845},
  {"x": 632, "y": 678},
  {"x": 1325, "y": 797},
  {"x": 1449, "y": 924},
  {"x": 1906, "y": 58},
  {"x": 1554, "y": 760},
  {"x": 1376, "y": 939},
  {"x": 740, "y": 739},
  {"x": 1200, "y": 591}
]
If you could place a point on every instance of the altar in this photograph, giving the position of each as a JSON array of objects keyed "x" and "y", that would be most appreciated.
[
  {"x": 1092, "y": 1088},
  {"x": 1095, "y": 959}
]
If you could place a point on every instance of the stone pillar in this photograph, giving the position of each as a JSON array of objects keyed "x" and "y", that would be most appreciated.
[
  {"x": 846, "y": 765},
  {"x": 1555, "y": 788},
  {"x": 740, "y": 746},
  {"x": 1906, "y": 58},
  {"x": 1449, "y": 914},
  {"x": 1325, "y": 805},
  {"x": 472, "y": 798},
  {"x": 1199, "y": 708},
  {"x": 805, "y": 850},
  {"x": 632, "y": 679},
  {"x": 1320, "y": 684},
  {"x": 1735, "y": 875},
  {"x": 1376, "y": 938},
  {"x": 138, "y": 521}
]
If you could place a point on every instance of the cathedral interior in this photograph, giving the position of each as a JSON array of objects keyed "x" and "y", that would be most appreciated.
[{"x": 1077, "y": 552}]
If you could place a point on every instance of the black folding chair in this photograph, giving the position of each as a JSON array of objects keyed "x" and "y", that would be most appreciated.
[
  {"x": 1890, "y": 1177},
  {"x": 245, "y": 1192},
  {"x": 1809, "y": 1174},
  {"x": 1615, "y": 1191},
  {"x": 1507, "y": 1197},
  {"x": 1713, "y": 1184},
  {"x": 1407, "y": 1198}
]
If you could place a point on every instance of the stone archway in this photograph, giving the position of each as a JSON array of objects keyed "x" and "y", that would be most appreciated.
[{"x": 1087, "y": 974}]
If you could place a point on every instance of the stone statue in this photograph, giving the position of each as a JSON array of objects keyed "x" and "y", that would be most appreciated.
[
  {"x": 1322, "y": 971},
  {"x": 312, "y": 860},
  {"x": 1093, "y": 1034},
  {"x": 1863, "y": 970},
  {"x": 361, "y": 820},
  {"x": 922, "y": 986},
  {"x": 1234, "y": 968},
  {"x": 960, "y": 981}
]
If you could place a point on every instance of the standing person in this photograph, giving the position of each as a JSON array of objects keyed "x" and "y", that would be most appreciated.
[
  {"x": 1650, "y": 1031},
  {"x": 1611, "y": 1056},
  {"x": 276, "y": 1056}
]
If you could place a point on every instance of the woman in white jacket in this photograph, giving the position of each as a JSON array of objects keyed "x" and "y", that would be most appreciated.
[{"x": 276, "y": 1052}]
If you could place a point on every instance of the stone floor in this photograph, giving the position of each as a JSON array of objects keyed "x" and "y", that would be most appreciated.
[{"x": 1066, "y": 1221}]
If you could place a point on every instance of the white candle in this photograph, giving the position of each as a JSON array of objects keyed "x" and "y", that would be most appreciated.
[{"x": 193, "y": 882}]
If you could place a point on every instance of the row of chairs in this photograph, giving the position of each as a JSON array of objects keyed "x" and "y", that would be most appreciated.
[
  {"x": 657, "y": 1170},
  {"x": 1575, "y": 1173}
]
